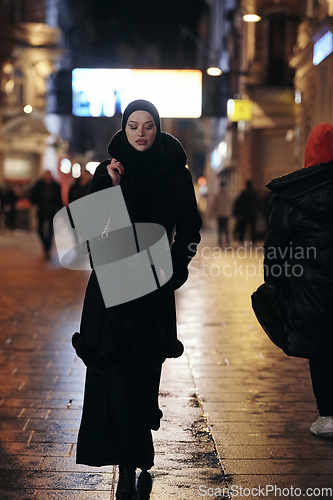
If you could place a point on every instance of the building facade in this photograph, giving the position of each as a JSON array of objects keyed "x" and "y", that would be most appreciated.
[
  {"x": 261, "y": 74},
  {"x": 33, "y": 51},
  {"x": 283, "y": 64},
  {"x": 313, "y": 64}
]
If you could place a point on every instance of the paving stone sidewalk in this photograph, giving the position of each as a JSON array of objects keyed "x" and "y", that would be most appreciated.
[
  {"x": 237, "y": 411},
  {"x": 41, "y": 392},
  {"x": 258, "y": 402}
]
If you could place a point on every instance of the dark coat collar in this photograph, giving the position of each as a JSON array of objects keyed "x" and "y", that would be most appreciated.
[
  {"x": 302, "y": 181},
  {"x": 310, "y": 190},
  {"x": 167, "y": 154}
]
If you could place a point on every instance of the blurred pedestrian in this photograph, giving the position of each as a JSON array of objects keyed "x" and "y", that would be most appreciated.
[
  {"x": 124, "y": 346},
  {"x": 294, "y": 305},
  {"x": 46, "y": 194},
  {"x": 80, "y": 187},
  {"x": 245, "y": 211},
  {"x": 1, "y": 202},
  {"x": 10, "y": 210},
  {"x": 222, "y": 209},
  {"x": 262, "y": 213}
]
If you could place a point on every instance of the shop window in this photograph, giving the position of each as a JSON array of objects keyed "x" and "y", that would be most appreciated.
[{"x": 17, "y": 169}]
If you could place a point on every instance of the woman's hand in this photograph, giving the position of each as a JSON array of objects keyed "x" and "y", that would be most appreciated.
[{"x": 115, "y": 171}]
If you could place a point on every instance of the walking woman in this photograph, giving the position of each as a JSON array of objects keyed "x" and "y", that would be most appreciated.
[{"x": 124, "y": 346}]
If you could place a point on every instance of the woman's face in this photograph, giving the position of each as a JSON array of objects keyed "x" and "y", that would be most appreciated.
[{"x": 140, "y": 130}]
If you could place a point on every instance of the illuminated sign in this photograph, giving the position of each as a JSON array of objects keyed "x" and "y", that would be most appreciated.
[
  {"x": 103, "y": 92},
  {"x": 239, "y": 110},
  {"x": 322, "y": 48}
]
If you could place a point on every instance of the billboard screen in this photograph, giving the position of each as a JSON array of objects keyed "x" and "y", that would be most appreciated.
[{"x": 103, "y": 92}]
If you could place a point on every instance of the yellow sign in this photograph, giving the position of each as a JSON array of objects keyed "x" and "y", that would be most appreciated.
[{"x": 239, "y": 110}]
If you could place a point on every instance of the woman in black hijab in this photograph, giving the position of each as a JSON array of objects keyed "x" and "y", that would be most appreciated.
[{"x": 124, "y": 346}]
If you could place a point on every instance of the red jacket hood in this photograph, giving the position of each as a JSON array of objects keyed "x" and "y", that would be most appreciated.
[{"x": 319, "y": 146}]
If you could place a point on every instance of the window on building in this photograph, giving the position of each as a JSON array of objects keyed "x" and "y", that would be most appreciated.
[
  {"x": 282, "y": 33},
  {"x": 33, "y": 11},
  {"x": 330, "y": 7},
  {"x": 276, "y": 42},
  {"x": 314, "y": 5},
  {"x": 19, "y": 84}
]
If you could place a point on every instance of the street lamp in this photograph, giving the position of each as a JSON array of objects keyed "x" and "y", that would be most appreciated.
[
  {"x": 251, "y": 18},
  {"x": 28, "y": 109},
  {"x": 214, "y": 71}
]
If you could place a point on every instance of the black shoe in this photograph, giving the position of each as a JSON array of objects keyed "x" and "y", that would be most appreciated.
[
  {"x": 126, "y": 484},
  {"x": 145, "y": 484}
]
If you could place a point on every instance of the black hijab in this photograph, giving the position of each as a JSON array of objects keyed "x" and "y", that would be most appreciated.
[
  {"x": 165, "y": 153},
  {"x": 141, "y": 105}
]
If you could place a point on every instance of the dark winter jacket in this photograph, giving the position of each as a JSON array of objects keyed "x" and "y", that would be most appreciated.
[
  {"x": 298, "y": 257},
  {"x": 159, "y": 191},
  {"x": 77, "y": 191},
  {"x": 47, "y": 197},
  {"x": 246, "y": 205}
]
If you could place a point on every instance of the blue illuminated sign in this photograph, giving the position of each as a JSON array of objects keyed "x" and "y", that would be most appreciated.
[{"x": 322, "y": 48}]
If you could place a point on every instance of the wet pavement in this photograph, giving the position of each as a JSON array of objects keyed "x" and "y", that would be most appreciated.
[{"x": 237, "y": 411}]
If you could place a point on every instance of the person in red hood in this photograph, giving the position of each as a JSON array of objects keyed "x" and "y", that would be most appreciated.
[
  {"x": 294, "y": 305},
  {"x": 319, "y": 146}
]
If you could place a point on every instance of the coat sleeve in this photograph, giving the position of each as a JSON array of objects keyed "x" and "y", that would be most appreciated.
[
  {"x": 277, "y": 242},
  {"x": 101, "y": 179},
  {"x": 187, "y": 230}
]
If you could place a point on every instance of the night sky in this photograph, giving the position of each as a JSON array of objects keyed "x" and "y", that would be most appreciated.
[
  {"x": 98, "y": 24},
  {"x": 149, "y": 19}
]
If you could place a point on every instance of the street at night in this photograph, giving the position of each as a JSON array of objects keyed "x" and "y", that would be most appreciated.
[
  {"x": 237, "y": 411},
  {"x": 166, "y": 249}
]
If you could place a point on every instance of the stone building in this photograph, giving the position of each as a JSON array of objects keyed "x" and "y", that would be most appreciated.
[
  {"x": 313, "y": 64},
  {"x": 32, "y": 41},
  {"x": 262, "y": 147}
]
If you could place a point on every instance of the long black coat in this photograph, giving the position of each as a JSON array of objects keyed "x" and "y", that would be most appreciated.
[
  {"x": 145, "y": 327},
  {"x": 299, "y": 259}
]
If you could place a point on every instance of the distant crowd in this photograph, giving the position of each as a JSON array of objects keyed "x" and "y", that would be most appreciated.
[
  {"x": 17, "y": 200},
  {"x": 245, "y": 217},
  {"x": 249, "y": 211}
]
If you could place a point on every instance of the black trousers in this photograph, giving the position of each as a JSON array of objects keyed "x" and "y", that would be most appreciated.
[
  {"x": 222, "y": 223},
  {"x": 242, "y": 227},
  {"x": 321, "y": 371},
  {"x": 45, "y": 231}
]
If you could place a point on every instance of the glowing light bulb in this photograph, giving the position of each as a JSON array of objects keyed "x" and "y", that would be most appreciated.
[
  {"x": 251, "y": 18},
  {"x": 91, "y": 166},
  {"x": 65, "y": 166},
  {"x": 76, "y": 170},
  {"x": 214, "y": 71},
  {"x": 28, "y": 109}
]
